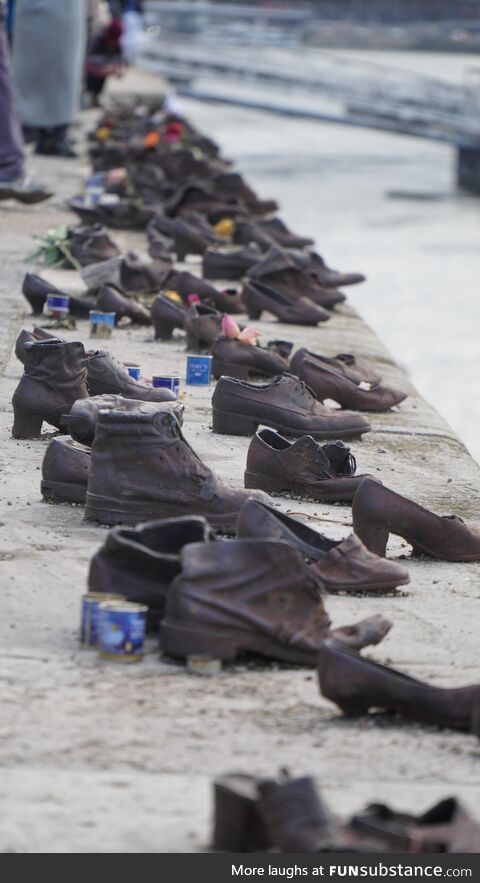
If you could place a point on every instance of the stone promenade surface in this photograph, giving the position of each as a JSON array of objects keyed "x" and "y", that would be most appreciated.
[{"x": 96, "y": 757}]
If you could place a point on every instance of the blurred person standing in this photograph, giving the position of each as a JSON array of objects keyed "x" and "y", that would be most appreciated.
[
  {"x": 48, "y": 58},
  {"x": 13, "y": 182}
]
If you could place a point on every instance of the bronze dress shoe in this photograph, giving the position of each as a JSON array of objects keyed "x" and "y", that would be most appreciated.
[
  {"x": 280, "y": 271},
  {"x": 143, "y": 468},
  {"x": 325, "y": 276},
  {"x": 247, "y": 231},
  {"x": 242, "y": 360},
  {"x": 36, "y": 289},
  {"x": 378, "y": 512},
  {"x": 302, "y": 468},
  {"x": 329, "y": 382},
  {"x": 231, "y": 185},
  {"x": 54, "y": 378},
  {"x": 446, "y": 827},
  {"x": 252, "y": 596},
  {"x": 65, "y": 471},
  {"x": 229, "y": 262},
  {"x": 141, "y": 562},
  {"x": 342, "y": 565},
  {"x": 129, "y": 274},
  {"x": 111, "y": 300},
  {"x": 106, "y": 376},
  {"x": 229, "y": 300},
  {"x": 198, "y": 196},
  {"x": 188, "y": 238},
  {"x": 258, "y": 297},
  {"x": 357, "y": 685},
  {"x": 343, "y": 362},
  {"x": 280, "y": 233},
  {"x": 166, "y": 315},
  {"x": 286, "y": 404},
  {"x": 82, "y": 419}
]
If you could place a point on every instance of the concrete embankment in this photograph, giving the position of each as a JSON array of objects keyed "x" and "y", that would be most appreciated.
[{"x": 100, "y": 758}]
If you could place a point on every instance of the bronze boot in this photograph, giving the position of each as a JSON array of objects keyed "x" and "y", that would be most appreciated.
[
  {"x": 143, "y": 468},
  {"x": 54, "y": 378},
  {"x": 141, "y": 562},
  {"x": 82, "y": 419}
]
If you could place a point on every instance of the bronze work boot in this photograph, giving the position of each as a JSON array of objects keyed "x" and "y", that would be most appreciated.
[
  {"x": 65, "y": 471},
  {"x": 82, "y": 419},
  {"x": 54, "y": 378},
  {"x": 141, "y": 562},
  {"x": 31, "y": 337},
  {"x": 357, "y": 685},
  {"x": 286, "y": 404},
  {"x": 252, "y": 596},
  {"x": 106, "y": 376},
  {"x": 342, "y": 565},
  {"x": 143, "y": 468},
  {"x": 302, "y": 468},
  {"x": 378, "y": 512}
]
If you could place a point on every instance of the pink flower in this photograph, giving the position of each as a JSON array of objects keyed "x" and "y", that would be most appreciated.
[
  {"x": 230, "y": 329},
  {"x": 193, "y": 299}
]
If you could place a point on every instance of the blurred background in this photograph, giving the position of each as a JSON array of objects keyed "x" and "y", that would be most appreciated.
[{"x": 363, "y": 118}]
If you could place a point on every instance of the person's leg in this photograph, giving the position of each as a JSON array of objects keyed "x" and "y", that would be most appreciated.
[{"x": 12, "y": 156}]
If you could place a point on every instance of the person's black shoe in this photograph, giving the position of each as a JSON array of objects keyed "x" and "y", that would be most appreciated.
[{"x": 24, "y": 190}]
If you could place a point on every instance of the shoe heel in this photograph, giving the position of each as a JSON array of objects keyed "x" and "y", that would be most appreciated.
[
  {"x": 232, "y": 424},
  {"x": 25, "y": 424},
  {"x": 253, "y": 312},
  {"x": 237, "y": 825},
  {"x": 374, "y": 537},
  {"x": 240, "y": 372},
  {"x": 352, "y": 707},
  {"x": 164, "y": 331}
]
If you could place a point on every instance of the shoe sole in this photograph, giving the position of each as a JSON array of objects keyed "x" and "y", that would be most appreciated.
[
  {"x": 226, "y": 423},
  {"x": 107, "y": 511},
  {"x": 186, "y": 640},
  {"x": 332, "y": 493},
  {"x": 63, "y": 492}
]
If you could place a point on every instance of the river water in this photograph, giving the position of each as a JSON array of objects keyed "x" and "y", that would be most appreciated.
[{"x": 421, "y": 255}]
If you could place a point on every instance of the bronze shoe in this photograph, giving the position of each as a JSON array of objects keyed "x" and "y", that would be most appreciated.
[
  {"x": 330, "y": 382},
  {"x": 242, "y": 360},
  {"x": 111, "y": 300},
  {"x": 286, "y": 404},
  {"x": 106, "y": 376},
  {"x": 357, "y": 685},
  {"x": 54, "y": 378},
  {"x": 141, "y": 562},
  {"x": 378, "y": 512},
  {"x": 343, "y": 362},
  {"x": 65, "y": 471},
  {"x": 301, "y": 468},
  {"x": 143, "y": 469},
  {"x": 342, "y": 565},
  {"x": 82, "y": 419},
  {"x": 258, "y": 297},
  {"x": 167, "y": 314}
]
